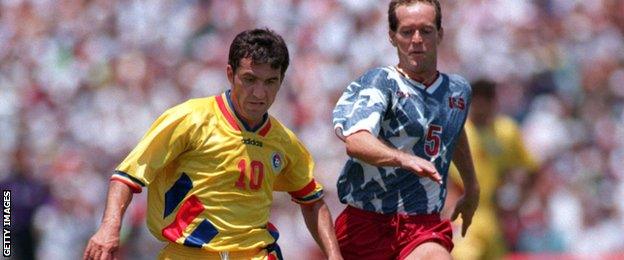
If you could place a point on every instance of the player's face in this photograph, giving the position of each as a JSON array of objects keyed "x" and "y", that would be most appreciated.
[
  {"x": 417, "y": 38},
  {"x": 482, "y": 110},
  {"x": 254, "y": 87}
]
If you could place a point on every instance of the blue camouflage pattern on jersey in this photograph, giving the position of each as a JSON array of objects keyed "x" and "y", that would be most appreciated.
[{"x": 400, "y": 112}]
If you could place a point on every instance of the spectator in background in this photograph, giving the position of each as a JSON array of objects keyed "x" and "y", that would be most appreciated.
[
  {"x": 27, "y": 195},
  {"x": 499, "y": 152}
]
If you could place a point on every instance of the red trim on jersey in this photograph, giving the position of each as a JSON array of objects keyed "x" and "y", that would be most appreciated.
[
  {"x": 191, "y": 208},
  {"x": 266, "y": 128},
  {"x": 133, "y": 186},
  {"x": 305, "y": 190},
  {"x": 226, "y": 113}
]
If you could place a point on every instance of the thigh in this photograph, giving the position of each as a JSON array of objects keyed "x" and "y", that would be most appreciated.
[
  {"x": 363, "y": 238},
  {"x": 435, "y": 237},
  {"x": 429, "y": 250}
]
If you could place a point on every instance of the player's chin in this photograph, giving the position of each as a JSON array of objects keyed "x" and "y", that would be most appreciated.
[
  {"x": 416, "y": 61},
  {"x": 257, "y": 108},
  {"x": 257, "y": 113}
]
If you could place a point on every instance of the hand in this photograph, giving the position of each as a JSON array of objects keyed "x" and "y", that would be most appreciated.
[
  {"x": 104, "y": 244},
  {"x": 466, "y": 206},
  {"x": 420, "y": 167}
]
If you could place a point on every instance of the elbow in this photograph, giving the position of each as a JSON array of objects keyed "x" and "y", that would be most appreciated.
[
  {"x": 352, "y": 151},
  {"x": 358, "y": 145},
  {"x": 352, "y": 147}
]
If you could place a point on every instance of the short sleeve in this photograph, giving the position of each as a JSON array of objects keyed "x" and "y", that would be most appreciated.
[
  {"x": 168, "y": 136},
  {"x": 297, "y": 178},
  {"x": 362, "y": 105}
]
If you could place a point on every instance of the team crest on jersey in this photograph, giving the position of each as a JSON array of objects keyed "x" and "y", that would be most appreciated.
[{"x": 276, "y": 162}]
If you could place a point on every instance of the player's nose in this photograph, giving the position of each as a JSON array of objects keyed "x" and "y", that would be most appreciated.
[
  {"x": 259, "y": 91},
  {"x": 417, "y": 38}
]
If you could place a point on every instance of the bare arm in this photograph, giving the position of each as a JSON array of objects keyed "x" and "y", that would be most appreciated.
[
  {"x": 319, "y": 222},
  {"x": 467, "y": 204},
  {"x": 104, "y": 244},
  {"x": 366, "y": 147}
]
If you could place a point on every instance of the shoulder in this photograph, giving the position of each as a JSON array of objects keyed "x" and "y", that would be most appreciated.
[
  {"x": 282, "y": 132},
  {"x": 375, "y": 74},
  {"x": 378, "y": 82},
  {"x": 506, "y": 124},
  {"x": 457, "y": 82},
  {"x": 197, "y": 109},
  {"x": 507, "y": 130},
  {"x": 379, "y": 77},
  {"x": 286, "y": 137}
]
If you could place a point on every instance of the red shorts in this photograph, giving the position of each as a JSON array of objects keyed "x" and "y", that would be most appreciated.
[{"x": 369, "y": 235}]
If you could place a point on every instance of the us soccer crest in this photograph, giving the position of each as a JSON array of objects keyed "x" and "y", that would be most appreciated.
[{"x": 276, "y": 162}]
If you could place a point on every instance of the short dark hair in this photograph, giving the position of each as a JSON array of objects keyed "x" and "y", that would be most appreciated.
[
  {"x": 484, "y": 88},
  {"x": 262, "y": 46},
  {"x": 393, "y": 21}
]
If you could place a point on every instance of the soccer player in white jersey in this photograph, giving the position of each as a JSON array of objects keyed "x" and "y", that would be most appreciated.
[{"x": 402, "y": 126}]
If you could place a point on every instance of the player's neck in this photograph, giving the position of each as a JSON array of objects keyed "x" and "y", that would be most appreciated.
[
  {"x": 249, "y": 123},
  {"x": 426, "y": 78}
]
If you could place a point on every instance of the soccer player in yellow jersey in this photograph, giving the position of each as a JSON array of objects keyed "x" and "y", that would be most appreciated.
[
  {"x": 497, "y": 148},
  {"x": 211, "y": 165}
]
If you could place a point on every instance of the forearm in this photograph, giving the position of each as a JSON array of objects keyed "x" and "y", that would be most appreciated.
[
  {"x": 319, "y": 222},
  {"x": 104, "y": 244},
  {"x": 368, "y": 148},
  {"x": 117, "y": 201},
  {"x": 462, "y": 158}
]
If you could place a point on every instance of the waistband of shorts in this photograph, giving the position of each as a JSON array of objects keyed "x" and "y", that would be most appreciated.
[
  {"x": 382, "y": 216},
  {"x": 183, "y": 251}
]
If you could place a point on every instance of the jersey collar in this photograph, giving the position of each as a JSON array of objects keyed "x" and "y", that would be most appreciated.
[
  {"x": 234, "y": 119},
  {"x": 429, "y": 89}
]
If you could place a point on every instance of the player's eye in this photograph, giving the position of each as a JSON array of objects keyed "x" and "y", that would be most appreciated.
[
  {"x": 407, "y": 32},
  {"x": 271, "y": 82},
  {"x": 248, "y": 80}
]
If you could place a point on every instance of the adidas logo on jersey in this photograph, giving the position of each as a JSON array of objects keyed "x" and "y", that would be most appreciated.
[{"x": 252, "y": 142}]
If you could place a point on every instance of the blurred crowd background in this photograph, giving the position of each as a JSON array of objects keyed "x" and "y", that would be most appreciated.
[{"x": 82, "y": 80}]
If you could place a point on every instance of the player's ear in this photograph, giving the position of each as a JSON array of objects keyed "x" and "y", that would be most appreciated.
[
  {"x": 440, "y": 34},
  {"x": 230, "y": 74},
  {"x": 391, "y": 36}
]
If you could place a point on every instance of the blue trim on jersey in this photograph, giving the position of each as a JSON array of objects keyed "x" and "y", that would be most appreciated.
[
  {"x": 204, "y": 232},
  {"x": 275, "y": 248},
  {"x": 240, "y": 118},
  {"x": 176, "y": 193},
  {"x": 311, "y": 197},
  {"x": 274, "y": 233},
  {"x": 135, "y": 180}
]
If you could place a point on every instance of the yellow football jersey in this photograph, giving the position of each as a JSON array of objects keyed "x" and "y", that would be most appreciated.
[
  {"x": 210, "y": 178},
  {"x": 495, "y": 150}
]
